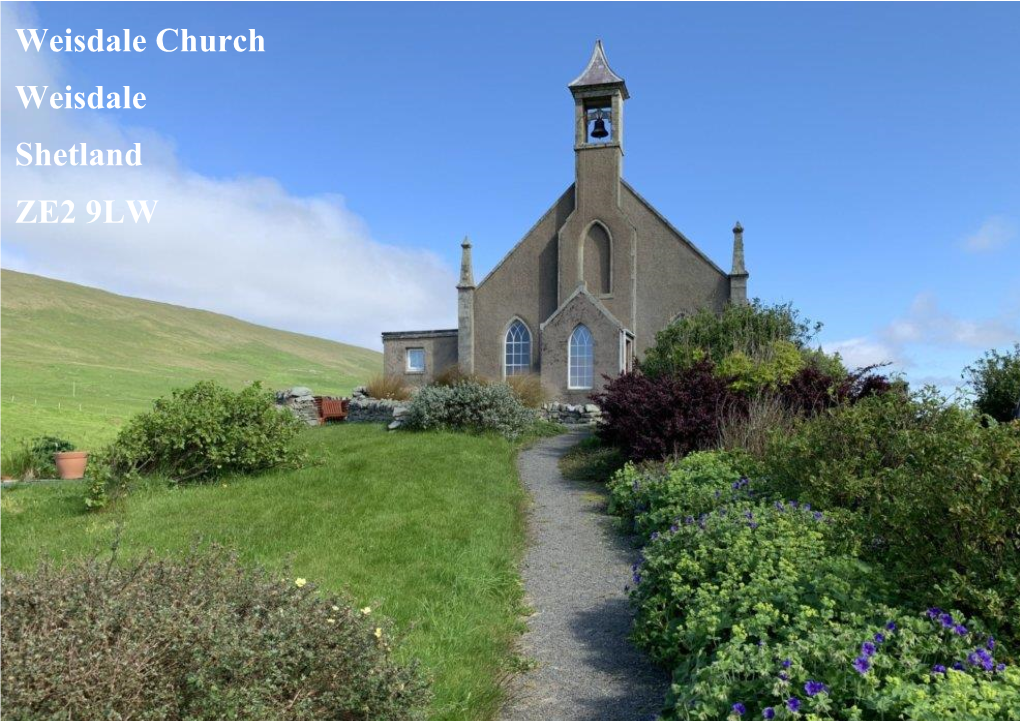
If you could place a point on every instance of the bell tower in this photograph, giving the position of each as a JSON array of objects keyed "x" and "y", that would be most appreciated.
[
  {"x": 599, "y": 94},
  {"x": 598, "y": 242}
]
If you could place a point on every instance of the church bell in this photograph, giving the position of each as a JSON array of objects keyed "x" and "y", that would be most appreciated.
[{"x": 599, "y": 130}]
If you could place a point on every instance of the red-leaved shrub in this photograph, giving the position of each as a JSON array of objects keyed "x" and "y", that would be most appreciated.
[{"x": 667, "y": 415}]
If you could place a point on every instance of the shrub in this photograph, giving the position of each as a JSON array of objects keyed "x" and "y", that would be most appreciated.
[
  {"x": 528, "y": 388},
  {"x": 995, "y": 381},
  {"x": 933, "y": 490},
  {"x": 470, "y": 406},
  {"x": 767, "y": 369},
  {"x": 388, "y": 387},
  {"x": 205, "y": 431},
  {"x": 652, "y": 497},
  {"x": 747, "y": 329},
  {"x": 652, "y": 417},
  {"x": 762, "y": 605},
  {"x": 198, "y": 638}
]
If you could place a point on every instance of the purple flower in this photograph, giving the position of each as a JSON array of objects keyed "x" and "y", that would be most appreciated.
[
  {"x": 946, "y": 620},
  {"x": 689, "y": 520},
  {"x": 987, "y": 665},
  {"x": 817, "y": 515},
  {"x": 1000, "y": 667},
  {"x": 957, "y": 665},
  {"x": 879, "y": 638},
  {"x": 862, "y": 664},
  {"x": 780, "y": 507},
  {"x": 739, "y": 709},
  {"x": 890, "y": 626},
  {"x": 768, "y": 712},
  {"x": 787, "y": 663},
  {"x": 793, "y": 704},
  {"x": 674, "y": 528},
  {"x": 960, "y": 630},
  {"x": 752, "y": 525},
  {"x": 937, "y": 669},
  {"x": 934, "y": 612},
  {"x": 806, "y": 506},
  {"x": 813, "y": 688},
  {"x": 784, "y": 676},
  {"x": 793, "y": 504},
  {"x": 636, "y": 578},
  {"x": 655, "y": 534},
  {"x": 868, "y": 649},
  {"x": 990, "y": 644},
  {"x": 982, "y": 654}
]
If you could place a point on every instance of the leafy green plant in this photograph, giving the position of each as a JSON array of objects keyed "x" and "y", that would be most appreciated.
[
  {"x": 199, "y": 433},
  {"x": 995, "y": 381},
  {"x": 34, "y": 458},
  {"x": 771, "y": 366},
  {"x": 933, "y": 491},
  {"x": 747, "y": 329},
  {"x": 470, "y": 406},
  {"x": 202, "y": 637},
  {"x": 763, "y": 608}
]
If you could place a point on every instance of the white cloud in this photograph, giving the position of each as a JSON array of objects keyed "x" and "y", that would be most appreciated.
[
  {"x": 242, "y": 246},
  {"x": 994, "y": 233},
  {"x": 910, "y": 342},
  {"x": 861, "y": 352},
  {"x": 925, "y": 323}
]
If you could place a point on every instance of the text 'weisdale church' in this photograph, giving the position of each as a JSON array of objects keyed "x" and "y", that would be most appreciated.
[{"x": 589, "y": 285}]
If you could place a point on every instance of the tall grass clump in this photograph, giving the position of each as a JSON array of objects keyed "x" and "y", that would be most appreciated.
[
  {"x": 529, "y": 389},
  {"x": 388, "y": 387}
]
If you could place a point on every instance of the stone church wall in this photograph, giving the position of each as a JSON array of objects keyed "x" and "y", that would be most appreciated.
[{"x": 440, "y": 353}]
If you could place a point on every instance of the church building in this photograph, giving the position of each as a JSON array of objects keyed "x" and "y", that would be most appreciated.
[{"x": 589, "y": 286}]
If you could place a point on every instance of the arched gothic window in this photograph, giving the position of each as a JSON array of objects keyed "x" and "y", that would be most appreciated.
[
  {"x": 581, "y": 359},
  {"x": 517, "y": 355}
]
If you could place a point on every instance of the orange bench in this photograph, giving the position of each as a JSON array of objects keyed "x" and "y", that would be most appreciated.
[{"x": 332, "y": 409}]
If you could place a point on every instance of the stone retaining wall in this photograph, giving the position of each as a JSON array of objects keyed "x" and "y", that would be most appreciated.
[
  {"x": 300, "y": 402},
  {"x": 568, "y": 414}
]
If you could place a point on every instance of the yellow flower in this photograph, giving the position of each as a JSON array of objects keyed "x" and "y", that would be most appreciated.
[
  {"x": 330, "y": 620},
  {"x": 300, "y": 582},
  {"x": 366, "y": 610},
  {"x": 378, "y": 632}
]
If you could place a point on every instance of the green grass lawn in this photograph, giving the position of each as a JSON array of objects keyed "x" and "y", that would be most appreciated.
[
  {"x": 78, "y": 362},
  {"x": 426, "y": 528}
]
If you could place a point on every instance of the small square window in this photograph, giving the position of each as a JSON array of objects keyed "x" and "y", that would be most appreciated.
[{"x": 415, "y": 360}]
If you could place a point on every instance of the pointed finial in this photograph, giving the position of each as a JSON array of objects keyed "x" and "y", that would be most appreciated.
[
  {"x": 467, "y": 277},
  {"x": 738, "y": 250}
]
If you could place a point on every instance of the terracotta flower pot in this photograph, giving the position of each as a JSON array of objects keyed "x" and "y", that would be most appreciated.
[{"x": 71, "y": 464}]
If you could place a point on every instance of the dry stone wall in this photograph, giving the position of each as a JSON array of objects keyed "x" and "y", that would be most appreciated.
[{"x": 587, "y": 414}]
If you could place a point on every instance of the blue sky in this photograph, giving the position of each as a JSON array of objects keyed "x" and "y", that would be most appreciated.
[{"x": 872, "y": 152}]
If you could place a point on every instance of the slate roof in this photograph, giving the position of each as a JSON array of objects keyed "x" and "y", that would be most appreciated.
[{"x": 598, "y": 72}]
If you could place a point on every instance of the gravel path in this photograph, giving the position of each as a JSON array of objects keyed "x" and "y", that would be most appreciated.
[{"x": 574, "y": 573}]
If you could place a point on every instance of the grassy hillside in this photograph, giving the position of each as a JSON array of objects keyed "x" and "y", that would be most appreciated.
[{"x": 76, "y": 361}]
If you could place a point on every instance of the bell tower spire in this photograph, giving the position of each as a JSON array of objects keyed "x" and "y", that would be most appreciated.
[{"x": 599, "y": 94}]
